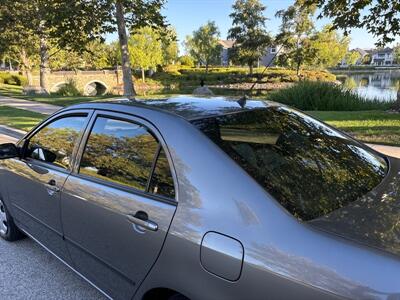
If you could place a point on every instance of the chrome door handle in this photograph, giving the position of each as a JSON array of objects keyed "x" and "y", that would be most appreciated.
[
  {"x": 142, "y": 220},
  {"x": 52, "y": 187}
]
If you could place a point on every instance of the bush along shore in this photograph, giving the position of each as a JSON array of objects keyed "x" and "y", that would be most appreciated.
[{"x": 323, "y": 96}]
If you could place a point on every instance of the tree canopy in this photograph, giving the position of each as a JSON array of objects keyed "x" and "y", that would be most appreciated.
[
  {"x": 329, "y": 47},
  {"x": 295, "y": 34},
  {"x": 145, "y": 49},
  {"x": 380, "y": 17},
  {"x": 249, "y": 32},
  {"x": 203, "y": 45}
]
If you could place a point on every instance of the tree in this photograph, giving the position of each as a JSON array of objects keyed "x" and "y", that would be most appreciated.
[
  {"x": 352, "y": 57},
  {"x": 146, "y": 49},
  {"x": 329, "y": 47},
  {"x": 249, "y": 32},
  {"x": 186, "y": 60},
  {"x": 50, "y": 23},
  {"x": 203, "y": 45},
  {"x": 170, "y": 46},
  {"x": 380, "y": 18},
  {"x": 15, "y": 44},
  {"x": 132, "y": 14},
  {"x": 396, "y": 54},
  {"x": 295, "y": 34}
]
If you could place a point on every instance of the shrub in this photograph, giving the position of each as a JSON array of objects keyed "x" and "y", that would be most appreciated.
[
  {"x": 12, "y": 79},
  {"x": 68, "y": 89},
  {"x": 186, "y": 60},
  {"x": 323, "y": 96}
]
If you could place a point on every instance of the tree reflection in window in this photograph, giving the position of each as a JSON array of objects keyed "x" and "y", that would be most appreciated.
[
  {"x": 162, "y": 182},
  {"x": 55, "y": 142},
  {"x": 120, "y": 152},
  {"x": 308, "y": 167}
]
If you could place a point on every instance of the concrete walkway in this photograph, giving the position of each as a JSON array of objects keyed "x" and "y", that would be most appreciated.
[
  {"x": 388, "y": 150},
  {"x": 43, "y": 108}
]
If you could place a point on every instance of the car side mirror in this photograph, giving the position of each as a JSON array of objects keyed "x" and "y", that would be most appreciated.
[{"x": 8, "y": 150}]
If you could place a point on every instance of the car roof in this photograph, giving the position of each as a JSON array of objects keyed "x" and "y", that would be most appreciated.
[{"x": 188, "y": 107}]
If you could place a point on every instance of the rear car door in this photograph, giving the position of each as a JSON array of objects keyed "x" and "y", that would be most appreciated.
[
  {"x": 34, "y": 182},
  {"x": 118, "y": 203}
]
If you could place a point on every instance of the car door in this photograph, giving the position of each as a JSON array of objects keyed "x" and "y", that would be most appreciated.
[
  {"x": 118, "y": 203},
  {"x": 34, "y": 182}
]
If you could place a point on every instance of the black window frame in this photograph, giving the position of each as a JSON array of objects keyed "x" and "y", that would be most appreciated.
[
  {"x": 87, "y": 113},
  {"x": 129, "y": 189}
]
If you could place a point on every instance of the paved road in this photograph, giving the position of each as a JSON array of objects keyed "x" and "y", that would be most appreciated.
[
  {"x": 34, "y": 106},
  {"x": 27, "y": 271}
]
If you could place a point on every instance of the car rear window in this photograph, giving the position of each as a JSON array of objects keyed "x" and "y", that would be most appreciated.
[{"x": 310, "y": 168}]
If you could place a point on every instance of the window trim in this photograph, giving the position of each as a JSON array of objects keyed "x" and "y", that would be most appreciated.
[
  {"x": 45, "y": 123},
  {"x": 152, "y": 130}
]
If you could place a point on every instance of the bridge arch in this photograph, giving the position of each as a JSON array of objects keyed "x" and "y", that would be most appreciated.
[
  {"x": 57, "y": 86},
  {"x": 95, "y": 88}
]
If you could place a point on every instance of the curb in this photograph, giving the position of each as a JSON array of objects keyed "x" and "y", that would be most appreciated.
[{"x": 15, "y": 133}]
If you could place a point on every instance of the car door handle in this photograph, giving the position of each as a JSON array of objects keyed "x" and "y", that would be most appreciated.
[
  {"x": 141, "y": 219},
  {"x": 52, "y": 186}
]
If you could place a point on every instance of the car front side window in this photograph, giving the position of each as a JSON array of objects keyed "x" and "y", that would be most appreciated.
[
  {"x": 128, "y": 154},
  {"x": 119, "y": 152},
  {"x": 55, "y": 142}
]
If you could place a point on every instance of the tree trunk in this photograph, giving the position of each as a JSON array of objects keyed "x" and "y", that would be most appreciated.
[
  {"x": 26, "y": 67},
  {"x": 129, "y": 90},
  {"x": 298, "y": 69},
  {"x": 207, "y": 67},
  {"x": 44, "y": 60},
  {"x": 143, "y": 76},
  {"x": 251, "y": 68}
]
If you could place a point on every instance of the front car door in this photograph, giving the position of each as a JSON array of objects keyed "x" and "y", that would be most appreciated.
[
  {"x": 118, "y": 203},
  {"x": 34, "y": 182}
]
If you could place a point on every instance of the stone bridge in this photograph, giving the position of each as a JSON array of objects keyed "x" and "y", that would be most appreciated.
[{"x": 91, "y": 83}]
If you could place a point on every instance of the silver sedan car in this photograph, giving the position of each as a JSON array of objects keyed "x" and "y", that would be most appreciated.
[{"x": 206, "y": 198}]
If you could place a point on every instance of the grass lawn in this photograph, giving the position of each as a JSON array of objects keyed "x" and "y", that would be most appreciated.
[
  {"x": 16, "y": 92},
  {"x": 377, "y": 127},
  {"x": 19, "y": 118}
]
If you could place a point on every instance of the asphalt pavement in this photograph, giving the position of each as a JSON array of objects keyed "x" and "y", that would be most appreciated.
[{"x": 27, "y": 271}]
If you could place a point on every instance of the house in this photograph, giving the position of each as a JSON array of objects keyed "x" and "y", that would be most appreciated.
[
  {"x": 363, "y": 53},
  {"x": 269, "y": 57},
  {"x": 382, "y": 57},
  {"x": 226, "y": 45},
  {"x": 266, "y": 60}
]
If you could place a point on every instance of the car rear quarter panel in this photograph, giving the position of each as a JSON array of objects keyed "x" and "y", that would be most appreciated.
[{"x": 283, "y": 258}]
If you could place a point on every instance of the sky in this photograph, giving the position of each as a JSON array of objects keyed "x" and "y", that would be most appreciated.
[{"x": 188, "y": 15}]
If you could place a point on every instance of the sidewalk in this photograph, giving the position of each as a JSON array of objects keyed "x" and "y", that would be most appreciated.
[
  {"x": 43, "y": 108},
  {"x": 388, "y": 150}
]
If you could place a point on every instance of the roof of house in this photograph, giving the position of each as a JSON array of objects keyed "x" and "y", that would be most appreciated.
[
  {"x": 382, "y": 51},
  {"x": 227, "y": 43}
]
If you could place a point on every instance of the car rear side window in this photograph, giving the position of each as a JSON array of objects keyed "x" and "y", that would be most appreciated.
[
  {"x": 124, "y": 153},
  {"x": 55, "y": 142},
  {"x": 310, "y": 168},
  {"x": 161, "y": 181}
]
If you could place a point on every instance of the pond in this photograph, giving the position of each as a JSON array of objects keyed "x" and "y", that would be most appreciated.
[{"x": 382, "y": 85}]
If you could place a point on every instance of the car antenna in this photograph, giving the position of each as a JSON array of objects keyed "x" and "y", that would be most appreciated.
[{"x": 242, "y": 101}]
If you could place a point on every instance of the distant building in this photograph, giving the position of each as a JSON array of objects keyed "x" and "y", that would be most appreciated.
[
  {"x": 363, "y": 53},
  {"x": 382, "y": 57},
  {"x": 226, "y": 45},
  {"x": 267, "y": 59}
]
